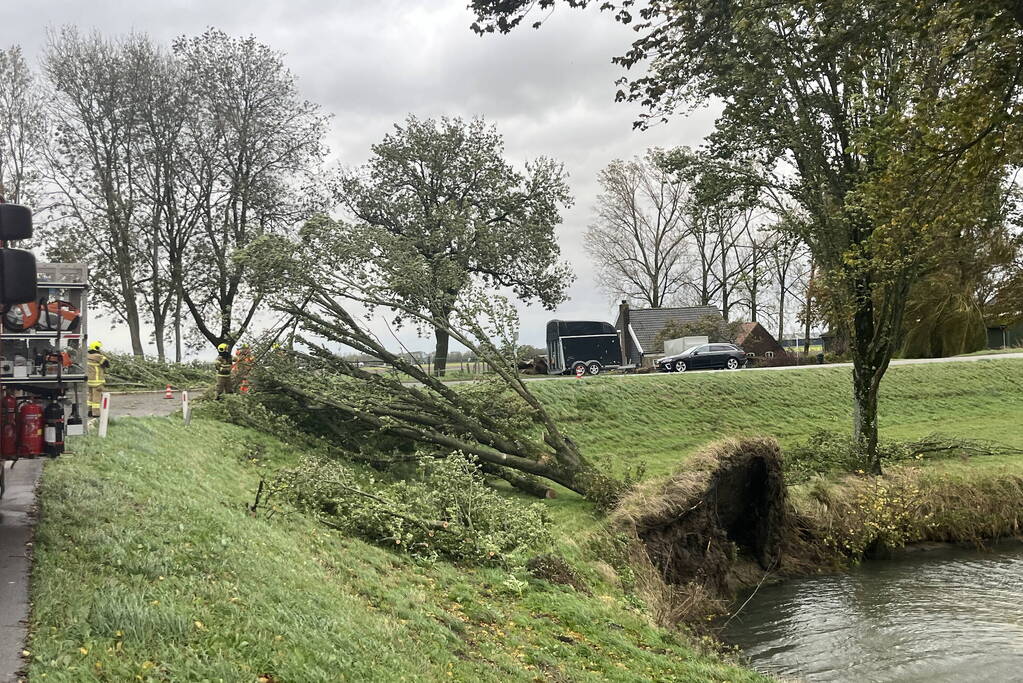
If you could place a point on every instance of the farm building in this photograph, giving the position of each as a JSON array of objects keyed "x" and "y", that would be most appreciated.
[
  {"x": 639, "y": 328},
  {"x": 1005, "y": 336},
  {"x": 754, "y": 339}
]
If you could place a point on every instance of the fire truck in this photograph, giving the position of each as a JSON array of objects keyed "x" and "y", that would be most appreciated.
[{"x": 43, "y": 334}]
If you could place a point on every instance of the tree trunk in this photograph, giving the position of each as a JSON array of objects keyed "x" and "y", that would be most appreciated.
[
  {"x": 781, "y": 310},
  {"x": 177, "y": 330},
  {"x": 134, "y": 328},
  {"x": 865, "y": 390},
  {"x": 807, "y": 311},
  {"x": 159, "y": 334},
  {"x": 440, "y": 354}
]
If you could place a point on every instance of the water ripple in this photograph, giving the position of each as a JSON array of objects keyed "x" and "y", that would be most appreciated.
[{"x": 945, "y": 615}]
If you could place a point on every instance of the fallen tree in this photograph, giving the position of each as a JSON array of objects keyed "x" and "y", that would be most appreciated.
[{"x": 497, "y": 420}]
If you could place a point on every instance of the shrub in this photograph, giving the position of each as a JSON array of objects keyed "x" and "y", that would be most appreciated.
[
  {"x": 827, "y": 452},
  {"x": 152, "y": 374},
  {"x": 446, "y": 510}
]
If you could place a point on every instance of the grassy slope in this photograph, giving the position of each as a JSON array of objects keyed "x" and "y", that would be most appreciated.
[
  {"x": 657, "y": 420},
  {"x": 147, "y": 567}
]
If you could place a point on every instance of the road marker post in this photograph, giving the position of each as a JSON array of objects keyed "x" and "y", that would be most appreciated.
[
  {"x": 186, "y": 408},
  {"x": 104, "y": 414}
]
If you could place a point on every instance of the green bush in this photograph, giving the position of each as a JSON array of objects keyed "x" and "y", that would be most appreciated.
[
  {"x": 445, "y": 510},
  {"x": 146, "y": 373},
  {"x": 826, "y": 452}
]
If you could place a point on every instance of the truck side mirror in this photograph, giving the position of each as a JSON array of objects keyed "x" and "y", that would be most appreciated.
[
  {"x": 17, "y": 275},
  {"x": 15, "y": 222}
]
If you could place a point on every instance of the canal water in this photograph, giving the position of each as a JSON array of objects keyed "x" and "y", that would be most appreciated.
[{"x": 937, "y": 615}]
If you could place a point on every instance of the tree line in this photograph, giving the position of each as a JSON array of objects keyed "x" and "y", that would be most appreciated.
[
  {"x": 157, "y": 166},
  {"x": 160, "y": 166}
]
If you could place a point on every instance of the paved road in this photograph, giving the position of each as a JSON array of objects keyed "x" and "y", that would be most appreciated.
[
  {"x": 808, "y": 366},
  {"x": 147, "y": 403},
  {"x": 17, "y": 524}
]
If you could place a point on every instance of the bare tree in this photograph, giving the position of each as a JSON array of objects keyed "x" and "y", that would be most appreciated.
[
  {"x": 253, "y": 146},
  {"x": 22, "y": 128},
  {"x": 639, "y": 241},
  {"x": 95, "y": 169}
]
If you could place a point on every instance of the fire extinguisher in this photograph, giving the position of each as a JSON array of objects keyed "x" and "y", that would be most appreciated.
[
  {"x": 8, "y": 421},
  {"x": 30, "y": 428},
  {"x": 53, "y": 434}
]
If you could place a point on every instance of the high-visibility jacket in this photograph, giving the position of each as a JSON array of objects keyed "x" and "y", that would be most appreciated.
[
  {"x": 243, "y": 360},
  {"x": 96, "y": 365},
  {"x": 223, "y": 364}
]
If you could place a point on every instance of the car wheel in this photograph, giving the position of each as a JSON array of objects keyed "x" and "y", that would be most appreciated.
[
  {"x": 680, "y": 366},
  {"x": 594, "y": 368},
  {"x": 733, "y": 364}
]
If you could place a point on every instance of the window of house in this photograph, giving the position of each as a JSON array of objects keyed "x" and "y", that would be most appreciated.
[{"x": 768, "y": 354}]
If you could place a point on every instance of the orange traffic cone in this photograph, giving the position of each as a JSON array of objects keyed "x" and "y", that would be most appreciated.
[
  {"x": 244, "y": 388},
  {"x": 169, "y": 393}
]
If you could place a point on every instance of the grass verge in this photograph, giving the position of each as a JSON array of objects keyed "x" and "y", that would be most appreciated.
[
  {"x": 148, "y": 567},
  {"x": 657, "y": 421}
]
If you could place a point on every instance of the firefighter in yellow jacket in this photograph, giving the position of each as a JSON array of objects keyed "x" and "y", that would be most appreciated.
[
  {"x": 96, "y": 364},
  {"x": 223, "y": 366}
]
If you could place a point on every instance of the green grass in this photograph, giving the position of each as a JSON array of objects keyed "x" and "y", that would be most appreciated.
[
  {"x": 658, "y": 420},
  {"x": 148, "y": 567},
  {"x": 985, "y": 352}
]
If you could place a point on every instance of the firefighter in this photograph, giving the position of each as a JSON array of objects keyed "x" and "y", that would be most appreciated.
[
  {"x": 223, "y": 366},
  {"x": 243, "y": 360},
  {"x": 97, "y": 364}
]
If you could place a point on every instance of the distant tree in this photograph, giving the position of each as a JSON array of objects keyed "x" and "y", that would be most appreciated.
[
  {"x": 711, "y": 326},
  {"x": 639, "y": 241},
  {"x": 22, "y": 129},
  {"x": 438, "y": 204}
]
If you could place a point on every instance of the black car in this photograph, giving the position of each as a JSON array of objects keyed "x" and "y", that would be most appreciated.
[{"x": 704, "y": 356}]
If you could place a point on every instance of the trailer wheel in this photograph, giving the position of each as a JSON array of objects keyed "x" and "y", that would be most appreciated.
[{"x": 593, "y": 367}]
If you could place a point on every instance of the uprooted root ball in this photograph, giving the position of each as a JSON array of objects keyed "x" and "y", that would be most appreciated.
[{"x": 699, "y": 529}]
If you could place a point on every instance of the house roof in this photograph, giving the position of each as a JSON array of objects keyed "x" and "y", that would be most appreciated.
[
  {"x": 648, "y": 322},
  {"x": 744, "y": 331}
]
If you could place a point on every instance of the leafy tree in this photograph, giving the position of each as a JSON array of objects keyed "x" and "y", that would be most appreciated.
[
  {"x": 23, "y": 129},
  {"x": 883, "y": 120},
  {"x": 437, "y": 204},
  {"x": 715, "y": 328},
  {"x": 640, "y": 238}
]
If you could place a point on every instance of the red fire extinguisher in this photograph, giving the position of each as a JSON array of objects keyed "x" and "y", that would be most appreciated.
[
  {"x": 53, "y": 434},
  {"x": 30, "y": 428},
  {"x": 8, "y": 422}
]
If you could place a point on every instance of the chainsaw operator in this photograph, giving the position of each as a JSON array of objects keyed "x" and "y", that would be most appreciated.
[
  {"x": 96, "y": 364},
  {"x": 223, "y": 365}
]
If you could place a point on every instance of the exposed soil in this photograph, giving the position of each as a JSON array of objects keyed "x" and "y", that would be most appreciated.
[{"x": 709, "y": 527}]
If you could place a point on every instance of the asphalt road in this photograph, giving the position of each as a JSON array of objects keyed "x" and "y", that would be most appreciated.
[
  {"x": 782, "y": 368},
  {"x": 17, "y": 524}
]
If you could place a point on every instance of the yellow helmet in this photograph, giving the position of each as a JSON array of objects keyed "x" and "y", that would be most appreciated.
[
  {"x": 222, "y": 347},
  {"x": 95, "y": 346}
]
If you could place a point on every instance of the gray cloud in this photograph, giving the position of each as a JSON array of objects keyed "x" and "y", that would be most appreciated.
[{"x": 550, "y": 92}]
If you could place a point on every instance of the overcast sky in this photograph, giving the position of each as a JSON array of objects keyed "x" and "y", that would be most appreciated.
[{"x": 369, "y": 64}]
